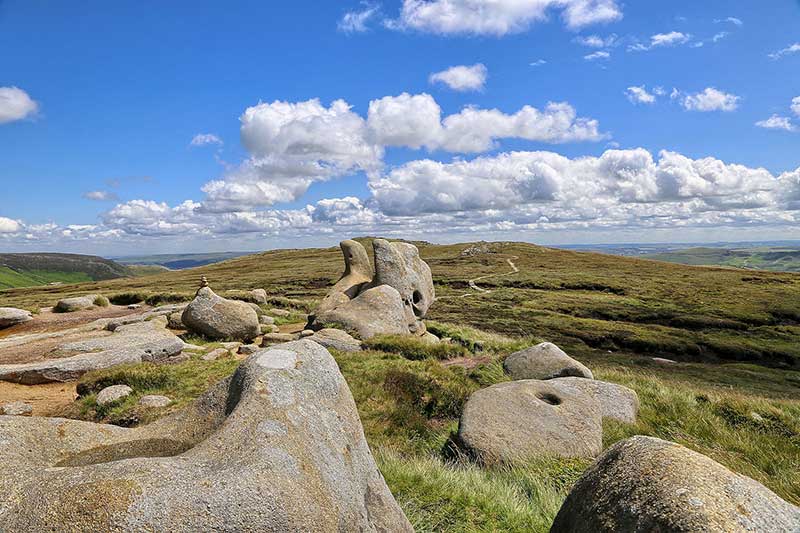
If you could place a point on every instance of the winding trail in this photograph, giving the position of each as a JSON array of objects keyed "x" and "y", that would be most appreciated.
[{"x": 479, "y": 290}]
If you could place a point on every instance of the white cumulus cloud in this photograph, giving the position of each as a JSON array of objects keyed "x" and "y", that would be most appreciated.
[
  {"x": 658, "y": 40},
  {"x": 15, "y": 104},
  {"x": 101, "y": 196},
  {"x": 500, "y": 17},
  {"x": 796, "y": 105},
  {"x": 600, "y": 54},
  {"x": 203, "y": 139},
  {"x": 791, "y": 49},
  {"x": 462, "y": 77},
  {"x": 640, "y": 95},
  {"x": 356, "y": 21},
  {"x": 776, "y": 122},
  {"x": 711, "y": 99},
  {"x": 9, "y": 225}
]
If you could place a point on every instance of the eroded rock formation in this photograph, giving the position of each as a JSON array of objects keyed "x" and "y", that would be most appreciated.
[{"x": 391, "y": 299}]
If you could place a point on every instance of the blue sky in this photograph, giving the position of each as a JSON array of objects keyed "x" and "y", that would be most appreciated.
[{"x": 675, "y": 121}]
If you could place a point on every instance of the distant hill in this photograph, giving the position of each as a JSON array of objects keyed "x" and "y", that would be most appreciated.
[
  {"x": 32, "y": 269},
  {"x": 180, "y": 261},
  {"x": 783, "y": 259}
]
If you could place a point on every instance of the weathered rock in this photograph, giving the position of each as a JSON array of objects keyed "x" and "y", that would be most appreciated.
[
  {"x": 306, "y": 333},
  {"x": 663, "y": 361},
  {"x": 278, "y": 446},
  {"x": 429, "y": 338},
  {"x": 267, "y": 320},
  {"x": 154, "y": 400},
  {"x": 10, "y": 316},
  {"x": 213, "y": 355},
  {"x": 647, "y": 484},
  {"x": 16, "y": 409},
  {"x": 357, "y": 274},
  {"x": 112, "y": 394},
  {"x": 518, "y": 420},
  {"x": 248, "y": 349},
  {"x": 376, "y": 311},
  {"x": 132, "y": 343},
  {"x": 273, "y": 338},
  {"x": 615, "y": 401},
  {"x": 398, "y": 265},
  {"x": 68, "y": 305},
  {"x": 259, "y": 296},
  {"x": 336, "y": 339},
  {"x": 164, "y": 310},
  {"x": 174, "y": 320},
  {"x": 266, "y": 329},
  {"x": 134, "y": 306},
  {"x": 219, "y": 318},
  {"x": 256, "y": 308},
  {"x": 279, "y": 312},
  {"x": 543, "y": 361}
]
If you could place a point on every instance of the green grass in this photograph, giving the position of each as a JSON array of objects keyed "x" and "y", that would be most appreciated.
[{"x": 30, "y": 278}]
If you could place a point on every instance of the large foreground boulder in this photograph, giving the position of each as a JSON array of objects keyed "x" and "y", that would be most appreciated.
[
  {"x": 646, "y": 484},
  {"x": 519, "y": 420},
  {"x": 278, "y": 446},
  {"x": 216, "y": 317},
  {"x": 615, "y": 401},
  {"x": 11, "y": 316},
  {"x": 133, "y": 343},
  {"x": 544, "y": 361}
]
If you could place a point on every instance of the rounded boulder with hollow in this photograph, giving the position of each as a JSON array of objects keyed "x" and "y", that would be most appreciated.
[{"x": 278, "y": 446}]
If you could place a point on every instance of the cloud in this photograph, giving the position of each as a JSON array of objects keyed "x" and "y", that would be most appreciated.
[
  {"x": 791, "y": 49},
  {"x": 356, "y": 21},
  {"x": 293, "y": 145},
  {"x": 639, "y": 95},
  {"x": 796, "y": 105},
  {"x": 586, "y": 185},
  {"x": 8, "y": 225},
  {"x": 600, "y": 54},
  {"x": 711, "y": 99},
  {"x": 204, "y": 139},
  {"x": 500, "y": 17},
  {"x": 462, "y": 77},
  {"x": 732, "y": 20},
  {"x": 101, "y": 196},
  {"x": 15, "y": 104},
  {"x": 537, "y": 63},
  {"x": 776, "y": 122},
  {"x": 673, "y": 38},
  {"x": 596, "y": 41}
]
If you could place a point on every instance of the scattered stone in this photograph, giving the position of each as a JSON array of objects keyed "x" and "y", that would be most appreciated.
[
  {"x": 230, "y": 345},
  {"x": 78, "y": 303},
  {"x": 306, "y": 333},
  {"x": 134, "y": 306},
  {"x": 615, "y": 401},
  {"x": 11, "y": 316},
  {"x": 112, "y": 394},
  {"x": 256, "y": 308},
  {"x": 391, "y": 300},
  {"x": 519, "y": 420},
  {"x": 663, "y": 361},
  {"x": 178, "y": 359},
  {"x": 336, "y": 339},
  {"x": 248, "y": 349},
  {"x": 219, "y": 318},
  {"x": 213, "y": 355},
  {"x": 16, "y": 409},
  {"x": 272, "y": 338},
  {"x": 174, "y": 320},
  {"x": 238, "y": 459},
  {"x": 648, "y": 484},
  {"x": 193, "y": 348},
  {"x": 279, "y": 312},
  {"x": 165, "y": 310},
  {"x": 266, "y": 319},
  {"x": 543, "y": 361},
  {"x": 133, "y": 343},
  {"x": 266, "y": 329},
  {"x": 429, "y": 338},
  {"x": 154, "y": 400},
  {"x": 259, "y": 296}
]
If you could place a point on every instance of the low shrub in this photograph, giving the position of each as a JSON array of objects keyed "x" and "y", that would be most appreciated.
[
  {"x": 166, "y": 298},
  {"x": 101, "y": 301},
  {"x": 128, "y": 298},
  {"x": 414, "y": 348}
]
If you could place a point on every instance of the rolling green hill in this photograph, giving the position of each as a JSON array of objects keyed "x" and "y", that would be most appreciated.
[
  {"x": 781, "y": 259},
  {"x": 32, "y": 269}
]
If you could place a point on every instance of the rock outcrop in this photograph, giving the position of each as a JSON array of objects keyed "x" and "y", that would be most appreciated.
[
  {"x": 132, "y": 343},
  {"x": 391, "y": 300},
  {"x": 647, "y": 484},
  {"x": 112, "y": 394},
  {"x": 543, "y": 361},
  {"x": 336, "y": 339},
  {"x": 16, "y": 409},
  {"x": 278, "y": 446},
  {"x": 259, "y": 296},
  {"x": 519, "y": 420},
  {"x": 219, "y": 318},
  {"x": 11, "y": 316},
  {"x": 615, "y": 401}
]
